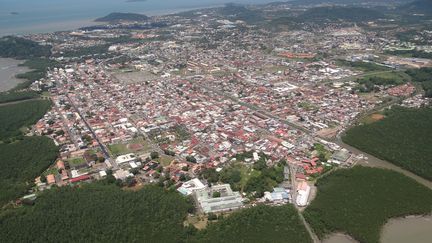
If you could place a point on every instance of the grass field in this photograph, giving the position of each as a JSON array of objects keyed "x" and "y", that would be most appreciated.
[
  {"x": 359, "y": 201},
  {"x": 76, "y": 161}
]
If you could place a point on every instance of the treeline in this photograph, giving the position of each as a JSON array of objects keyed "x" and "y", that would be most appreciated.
[
  {"x": 98, "y": 213},
  {"x": 21, "y": 162},
  {"x": 257, "y": 224},
  {"x": 20, "y": 48},
  {"x": 15, "y": 116},
  {"x": 424, "y": 77},
  {"x": 364, "y": 66},
  {"x": 402, "y": 138},
  {"x": 359, "y": 201},
  {"x": 411, "y": 53},
  {"x": 12, "y": 96}
]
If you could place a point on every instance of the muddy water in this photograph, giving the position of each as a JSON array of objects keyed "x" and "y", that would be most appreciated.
[
  {"x": 339, "y": 238},
  {"x": 8, "y": 69},
  {"x": 410, "y": 229}
]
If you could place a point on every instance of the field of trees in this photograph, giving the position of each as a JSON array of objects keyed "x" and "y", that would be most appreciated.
[
  {"x": 21, "y": 162},
  {"x": 424, "y": 77},
  {"x": 402, "y": 138},
  {"x": 257, "y": 224},
  {"x": 15, "y": 116},
  {"x": 20, "y": 48},
  {"x": 359, "y": 201},
  {"x": 6, "y": 97},
  {"x": 98, "y": 213}
]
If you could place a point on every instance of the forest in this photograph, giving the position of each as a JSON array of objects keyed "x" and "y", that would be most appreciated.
[
  {"x": 257, "y": 224},
  {"x": 359, "y": 201},
  {"x": 424, "y": 77},
  {"x": 98, "y": 213},
  {"x": 20, "y": 48},
  {"x": 402, "y": 138},
  {"x": 12, "y": 96},
  {"x": 21, "y": 162},
  {"x": 15, "y": 116}
]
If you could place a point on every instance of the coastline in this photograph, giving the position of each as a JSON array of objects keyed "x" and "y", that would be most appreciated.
[
  {"x": 69, "y": 25},
  {"x": 9, "y": 67}
]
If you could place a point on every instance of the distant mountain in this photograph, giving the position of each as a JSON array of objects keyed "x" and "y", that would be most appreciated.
[
  {"x": 351, "y": 2},
  {"x": 239, "y": 12},
  {"x": 118, "y": 17},
  {"x": 420, "y": 6},
  {"x": 340, "y": 13}
]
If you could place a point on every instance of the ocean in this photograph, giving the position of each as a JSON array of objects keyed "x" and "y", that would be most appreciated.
[{"x": 40, "y": 16}]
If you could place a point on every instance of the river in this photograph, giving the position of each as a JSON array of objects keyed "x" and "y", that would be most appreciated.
[{"x": 8, "y": 69}]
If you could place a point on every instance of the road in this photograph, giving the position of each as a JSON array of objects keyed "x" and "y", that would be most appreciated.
[{"x": 95, "y": 137}]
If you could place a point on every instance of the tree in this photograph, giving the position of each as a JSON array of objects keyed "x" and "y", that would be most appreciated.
[
  {"x": 191, "y": 159},
  {"x": 43, "y": 178},
  {"x": 211, "y": 216},
  {"x": 154, "y": 155},
  {"x": 216, "y": 194}
]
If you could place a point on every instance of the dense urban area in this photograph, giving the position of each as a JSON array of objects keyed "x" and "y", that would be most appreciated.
[{"x": 257, "y": 123}]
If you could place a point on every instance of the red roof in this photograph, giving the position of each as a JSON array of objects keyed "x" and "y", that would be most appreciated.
[{"x": 80, "y": 178}]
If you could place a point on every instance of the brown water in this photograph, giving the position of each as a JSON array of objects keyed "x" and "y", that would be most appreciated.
[
  {"x": 8, "y": 69},
  {"x": 339, "y": 238},
  {"x": 408, "y": 230}
]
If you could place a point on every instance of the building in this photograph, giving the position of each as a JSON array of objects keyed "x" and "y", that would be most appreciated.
[
  {"x": 126, "y": 158},
  {"x": 190, "y": 186},
  {"x": 303, "y": 191},
  {"x": 225, "y": 201}
]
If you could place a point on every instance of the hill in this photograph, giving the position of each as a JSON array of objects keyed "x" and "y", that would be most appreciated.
[
  {"x": 359, "y": 201},
  {"x": 420, "y": 6},
  {"x": 98, "y": 213},
  {"x": 334, "y": 13},
  {"x": 235, "y": 12},
  {"x": 258, "y": 224},
  {"x": 20, "y": 48},
  {"x": 402, "y": 138},
  {"x": 123, "y": 17}
]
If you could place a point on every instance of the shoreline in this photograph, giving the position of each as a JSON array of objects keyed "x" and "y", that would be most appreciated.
[
  {"x": 70, "y": 25},
  {"x": 9, "y": 68}
]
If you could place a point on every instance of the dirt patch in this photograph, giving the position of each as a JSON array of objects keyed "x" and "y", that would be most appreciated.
[{"x": 377, "y": 117}]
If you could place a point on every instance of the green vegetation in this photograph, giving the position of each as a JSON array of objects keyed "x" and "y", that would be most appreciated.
[
  {"x": 39, "y": 68},
  {"x": 369, "y": 82},
  {"x": 402, "y": 138},
  {"x": 359, "y": 201},
  {"x": 87, "y": 51},
  {"x": 257, "y": 224},
  {"x": 254, "y": 180},
  {"x": 21, "y": 162},
  {"x": 74, "y": 162},
  {"x": 15, "y": 116},
  {"x": 98, "y": 213},
  {"x": 411, "y": 53},
  {"x": 363, "y": 66},
  {"x": 424, "y": 77},
  {"x": 338, "y": 13},
  {"x": 238, "y": 12},
  {"x": 118, "y": 17},
  {"x": 20, "y": 48},
  {"x": 12, "y": 96}
]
